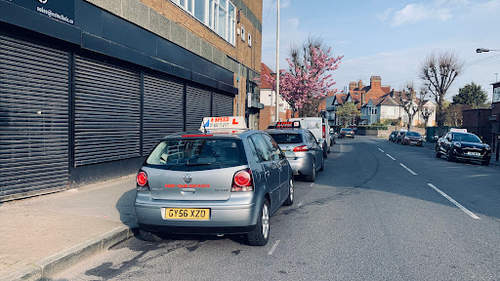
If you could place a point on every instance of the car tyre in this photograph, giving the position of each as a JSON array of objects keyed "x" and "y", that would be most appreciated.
[
  {"x": 149, "y": 236},
  {"x": 485, "y": 162},
  {"x": 289, "y": 199},
  {"x": 259, "y": 236},
  {"x": 437, "y": 153},
  {"x": 449, "y": 156},
  {"x": 322, "y": 165},
  {"x": 312, "y": 176}
]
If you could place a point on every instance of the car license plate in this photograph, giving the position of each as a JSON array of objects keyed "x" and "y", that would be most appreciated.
[
  {"x": 187, "y": 214},
  {"x": 474, "y": 153}
]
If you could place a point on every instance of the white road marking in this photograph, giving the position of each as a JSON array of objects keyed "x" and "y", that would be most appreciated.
[
  {"x": 471, "y": 214},
  {"x": 390, "y": 156},
  {"x": 408, "y": 169},
  {"x": 381, "y": 150},
  {"x": 300, "y": 204},
  {"x": 312, "y": 184},
  {"x": 274, "y": 247}
]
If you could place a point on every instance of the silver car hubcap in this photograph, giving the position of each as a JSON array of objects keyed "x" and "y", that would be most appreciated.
[
  {"x": 265, "y": 221},
  {"x": 291, "y": 190}
]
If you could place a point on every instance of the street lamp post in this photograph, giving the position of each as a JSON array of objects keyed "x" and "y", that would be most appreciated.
[{"x": 497, "y": 146}]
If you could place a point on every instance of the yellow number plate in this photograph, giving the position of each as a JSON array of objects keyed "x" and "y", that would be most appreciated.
[{"x": 187, "y": 214}]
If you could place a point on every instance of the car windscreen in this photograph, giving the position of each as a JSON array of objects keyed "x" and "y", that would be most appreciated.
[
  {"x": 187, "y": 154},
  {"x": 412, "y": 134},
  {"x": 287, "y": 138},
  {"x": 466, "y": 138}
]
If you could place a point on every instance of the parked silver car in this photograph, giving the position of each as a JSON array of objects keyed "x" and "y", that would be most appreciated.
[
  {"x": 213, "y": 183},
  {"x": 302, "y": 150}
]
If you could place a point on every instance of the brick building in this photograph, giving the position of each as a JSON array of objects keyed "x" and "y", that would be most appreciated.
[{"x": 89, "y": 86}]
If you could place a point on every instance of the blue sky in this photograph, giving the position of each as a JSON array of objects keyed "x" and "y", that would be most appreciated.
[{"x": 390, "y": 38}]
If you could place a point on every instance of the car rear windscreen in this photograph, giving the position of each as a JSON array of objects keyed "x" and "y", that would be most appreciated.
[
  {"x": 287, "y": 138},
  {"x": 185, "y": 154}
]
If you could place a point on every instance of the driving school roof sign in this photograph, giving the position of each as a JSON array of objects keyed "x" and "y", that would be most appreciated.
[
  {"x": 288, "y": 125},
  {"x": 221, "y": 123}
]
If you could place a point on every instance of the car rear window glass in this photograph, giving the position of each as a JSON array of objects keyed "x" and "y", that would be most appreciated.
[
  {"x": 287, "y": 138},
  {"x": 185, "y": 154},
  {"x": 413, "y": 134}
]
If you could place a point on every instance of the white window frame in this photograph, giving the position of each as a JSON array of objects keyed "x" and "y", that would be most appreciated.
[
  {"x": 211, "y": 14},
  {"x": 249, "y": 39},
  {"x": 243, "y": 33}
]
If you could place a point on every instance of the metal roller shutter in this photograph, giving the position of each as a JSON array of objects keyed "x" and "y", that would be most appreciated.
[
  {"x": 33, "y": 118},
  {"x": 198, "y": 105},
  {"x": 107, "y": 112},
  {"x": 223, "y": 105},
  {"x": 163, "y": 109}
]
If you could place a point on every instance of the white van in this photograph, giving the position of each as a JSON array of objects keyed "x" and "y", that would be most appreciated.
[{"x": 320, "y": 129}]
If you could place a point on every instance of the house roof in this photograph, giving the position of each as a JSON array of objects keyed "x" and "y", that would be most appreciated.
[{"x": 265, "y": 70}]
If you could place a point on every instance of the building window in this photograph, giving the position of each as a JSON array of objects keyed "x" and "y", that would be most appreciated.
[
  {"x": 249, "y": 39},
  {"x": 243, "y": 33},
  {"x": 496, "y": 94},
  {"x": 219, "y": 15},
  {"x": 373, "y": 111}
]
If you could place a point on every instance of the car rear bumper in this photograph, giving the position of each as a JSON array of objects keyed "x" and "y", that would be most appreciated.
[
  {"x": 301, "y": 165},
  {"x": 224, "y": 218}
]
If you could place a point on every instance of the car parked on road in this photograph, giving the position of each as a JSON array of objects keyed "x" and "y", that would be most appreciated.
[
  {"x": 412, "y": 138},
  {"x": 303, "y": 151},
  {"x": 392, "y": 136},
  {"x": 346, "y": 133},
  {"x": 217, "y": 182},
  {"x": 400, "y": 136},
  {"x": 460, "y": 145},
  {"x": 319, "y": 127}
]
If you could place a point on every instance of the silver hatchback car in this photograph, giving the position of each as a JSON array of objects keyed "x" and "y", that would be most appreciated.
[
  {"x": 213, "y": 183},
  {"x": 302, "y": 150}
]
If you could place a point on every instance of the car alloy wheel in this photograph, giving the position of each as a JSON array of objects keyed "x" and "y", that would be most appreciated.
[
  {"x": 259, "y": 236},
  {"x": 289, "y": 199}
]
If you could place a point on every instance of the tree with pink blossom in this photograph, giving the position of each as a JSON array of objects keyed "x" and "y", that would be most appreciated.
[{"x": 308, "y": 78}]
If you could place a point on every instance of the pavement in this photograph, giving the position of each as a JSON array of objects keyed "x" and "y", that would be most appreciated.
[{"x": 44, "y": 235}]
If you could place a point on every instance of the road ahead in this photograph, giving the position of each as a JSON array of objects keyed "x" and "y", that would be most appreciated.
[{"x": 379, "y": 211}]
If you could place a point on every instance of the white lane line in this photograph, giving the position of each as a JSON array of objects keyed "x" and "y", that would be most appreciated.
[
  {"x": 381, "y": 150},
  {"x": 408, "y": 169},
  {"x": 390, "y": 156},
  {"x": 471, "y": 214},
  {"x": 312, "y": 184},
  {"x": 300, "y": 204},
  {"x": 274, "y": 247}
]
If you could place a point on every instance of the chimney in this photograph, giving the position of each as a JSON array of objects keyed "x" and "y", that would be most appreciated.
[
  {"x": 375, "y": 82},
  {"x": 360, "y": 84},
  {"x": 352, "y": 86}
]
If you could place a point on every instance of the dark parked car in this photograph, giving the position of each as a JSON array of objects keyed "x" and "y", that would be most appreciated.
[
  {"x": 303, "y": 151},
  {"x": 412, "y": 138},
  {"x": 213, "y": 182},
  {"x": 392, "y": 136},
  {"x": 463, "y": 146},
  {"x": 346, "y": 133},
  {"x": 400, "y": 136}
]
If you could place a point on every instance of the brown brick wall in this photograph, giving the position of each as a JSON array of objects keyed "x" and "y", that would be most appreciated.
[{"x": 249, "y": 56}]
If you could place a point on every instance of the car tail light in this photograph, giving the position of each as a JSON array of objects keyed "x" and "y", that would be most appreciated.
[
  {"x": 301, "y": 148},
  {"x": 242, "y": 181},
  {"x": 142, "y": 181},
  {"x": 324, "y": 132}
]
